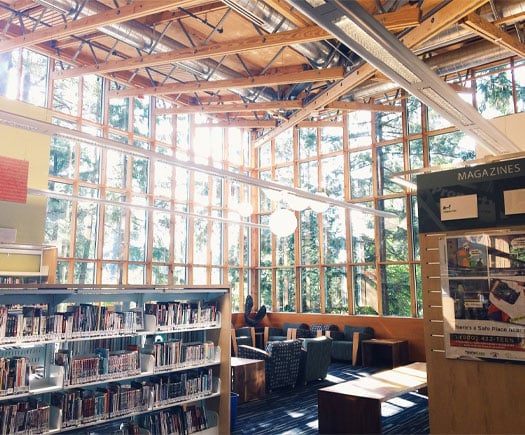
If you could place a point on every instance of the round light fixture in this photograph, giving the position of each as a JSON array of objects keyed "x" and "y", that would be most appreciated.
[
  {"x": 245, "y": 209},
  {"x": 318, "y": 206},
  {"x": 282, "y": 222},
  {"x": 296, "y": 203}
]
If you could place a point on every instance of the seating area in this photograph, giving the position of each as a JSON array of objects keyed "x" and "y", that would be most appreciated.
[{"x": 297, "y": 353}]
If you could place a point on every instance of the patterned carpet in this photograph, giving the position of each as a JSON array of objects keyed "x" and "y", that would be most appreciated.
[{"x": 294, "y": 411}]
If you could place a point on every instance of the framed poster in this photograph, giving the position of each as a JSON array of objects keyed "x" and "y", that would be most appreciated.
[{"x": 483, "y": 290}]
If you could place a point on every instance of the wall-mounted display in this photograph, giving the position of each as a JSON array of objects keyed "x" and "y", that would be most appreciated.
[{"x": 483, "y": 288}]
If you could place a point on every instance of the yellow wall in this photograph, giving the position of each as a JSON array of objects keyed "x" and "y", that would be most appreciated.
[{"x": 29, "y": 218}]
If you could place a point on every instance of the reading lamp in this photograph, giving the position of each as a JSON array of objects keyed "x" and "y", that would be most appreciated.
[{"x": 352, "y": 25}]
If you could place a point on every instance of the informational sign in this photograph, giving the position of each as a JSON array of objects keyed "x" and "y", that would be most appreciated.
[
  {"x": 459, "y": 207},
  {"x": 483, "y": 287}
]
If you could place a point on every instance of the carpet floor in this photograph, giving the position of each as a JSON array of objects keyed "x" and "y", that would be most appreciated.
[{"x": 294, "y": 411}]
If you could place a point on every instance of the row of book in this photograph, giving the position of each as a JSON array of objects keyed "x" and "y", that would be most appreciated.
[
  {"x": 81, "y": 406},
  {"x": 14, "y": 375},
  {"x": 25, "y": 417},
  {"x": 34, "y": 323},
  {"x": 181, "y": 313},
  {"x": 179, "y": 420},
  {"x": 102, "y": 365},
  {"x": 174, "y": 387},
  {"x": 173, "y": 353}
]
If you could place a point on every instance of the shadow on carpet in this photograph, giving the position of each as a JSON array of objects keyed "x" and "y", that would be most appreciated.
[{"x": 294, "y": 411}]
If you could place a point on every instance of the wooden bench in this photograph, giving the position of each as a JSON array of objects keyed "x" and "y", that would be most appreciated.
[{"x": 354, "y": 407}]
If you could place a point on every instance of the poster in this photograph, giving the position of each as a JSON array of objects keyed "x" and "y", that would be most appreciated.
[{"x": 483, "y": 288}]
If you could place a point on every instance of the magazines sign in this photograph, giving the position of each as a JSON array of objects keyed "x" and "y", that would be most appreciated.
[{"x": 483, "y": 287}]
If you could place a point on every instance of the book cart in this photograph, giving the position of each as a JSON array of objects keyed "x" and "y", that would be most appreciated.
[{"x": 101, "y": 359}]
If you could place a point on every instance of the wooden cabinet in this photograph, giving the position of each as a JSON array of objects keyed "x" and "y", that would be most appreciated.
[{"x": 96, "y": 358}]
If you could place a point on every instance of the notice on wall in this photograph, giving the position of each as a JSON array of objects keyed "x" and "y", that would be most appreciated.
[
  {"x": 483, "y": 288},
  {"x": 13, "y": 179},
  {"x": 459, "y": 207},
  {"x": 514, "y": 201}
]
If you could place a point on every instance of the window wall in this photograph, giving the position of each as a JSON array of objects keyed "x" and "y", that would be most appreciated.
[{"x": 131, "y": 211}]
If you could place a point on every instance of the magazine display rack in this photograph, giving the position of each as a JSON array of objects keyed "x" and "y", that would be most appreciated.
[{"x": 99, "y": 358}]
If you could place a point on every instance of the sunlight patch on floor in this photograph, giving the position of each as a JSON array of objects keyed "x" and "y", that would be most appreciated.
[
  {"x": 295, "y": 414},
  {"x": 396, "y": 405},
  {"x": 336, "y": 379}
]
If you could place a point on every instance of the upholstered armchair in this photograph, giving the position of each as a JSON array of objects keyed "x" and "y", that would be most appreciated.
[
  {"x": 244, "y": 335},
  {"x": 315, "y": 358},
  {"x": 282, "y": 360},
  {"x": 346, "y": 344},
  {"x": 289, "y": 331}
]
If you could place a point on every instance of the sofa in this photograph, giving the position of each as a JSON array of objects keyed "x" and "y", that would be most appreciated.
[
  {"x": 288, "y": 331},
  {"x": 315, "y": 358},
  {"x": 282, "y": 362},
  {"x": 346, "y": 343}
]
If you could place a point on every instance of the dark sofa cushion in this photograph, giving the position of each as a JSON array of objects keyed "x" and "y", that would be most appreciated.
[{"x": 365, "y": 332}]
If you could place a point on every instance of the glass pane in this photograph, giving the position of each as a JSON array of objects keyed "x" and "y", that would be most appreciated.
[
  {"x": 363, "y": 236},
  {"x": 92, "y": 93},
  {"x": 494, "y": 92},
  {"x": 140, "y": 175},
  {"x": 366, "y": 299},
  {"x": 114, "y": 218},
  {"x": 141, "y": 116},
  {"x": 216, "y": 244},
  {"x": 65, "y": 96},
  {"x": 119, "y": 113},
  {"x": 388, "y": 125},
  {"x": 9, "y": 68},
  {"x": 310, "y": 294},
  {"x": 265, "y": 245},
  {"x": 334, "y": 241},
  {"x": 136, "y": 274},
  {"x": 419, "y": 290},
  {"x": 361, "y": 174},
  {"x": 89, "y": 168},
  {"x": 309, "y": 237},
  {"x": 138, "y": 235},
  {"x": 389, "y": 160},
  {"x": 58, "y": 225},
  {"x": 159, "y": 275},
  {"x": 200, "y": 241},
  {"x": 86, "y": 232},
  {"x": 181, "y": 239},
  {"x": 393, "y": 232},
  {"x": 34, "y": 78},
  {"x": 332, "y": 169},
  {"x": 416, "y": 158},
  {"x": 265, "y": 288},
  {"x": 331, "y": 139},
  {"x": 265, "y": 155},
  {"x": 284, "y": 147},
  {"x": 233, "y": 280},
  {"x": 395, "y": 280},
  {"x": 84, "y": 273},
  {"x": 307, "y": 142},
  {"x": 200, "y": 276},
  {"x": 111, "y": 273},
  {"x": 435, "y": 120},
  {"x": 449, "y": 148},
  {"x": 180, "y": 275},
  {"x": 414, "y": 115},
  {"x": 336, "y": 290},
  {"x": 116, "y": 169},
  {"x": 161, "y": 236},
  {"x": 519, "y": 78},
  {"x": 62, "y": 158},
  {"x": 285, "y": 251},
  {"x": 164, "y": 128},
  {"x": 163, "y": 179},
  {"x": 359, "y": 129},
  {"x": 285, "y": 289},
  {"x": 415, "y": 227}
]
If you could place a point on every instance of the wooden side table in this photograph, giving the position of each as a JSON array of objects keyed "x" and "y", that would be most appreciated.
[
  {"x": 391, "y": 352},
  {"x": 248, "y": 378}
]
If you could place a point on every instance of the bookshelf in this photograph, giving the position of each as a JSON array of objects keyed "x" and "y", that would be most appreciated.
[{"x": 93, "y": 359}]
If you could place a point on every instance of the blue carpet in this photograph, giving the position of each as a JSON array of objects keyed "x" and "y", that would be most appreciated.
[{"x": 294, "y": 411}]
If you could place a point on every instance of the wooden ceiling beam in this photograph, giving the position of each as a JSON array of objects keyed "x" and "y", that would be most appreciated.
[
  {"x": 401, "y": 19},
  {"x": 166, "y": 16},
  {"x": 308, "y": 76},
  {"x": 444, "y": 18},
  {"x": 88, "y": 24},
  {"x": 298, "y": 36},
  {"x": 358, "y": 105},
  {"x": 492, "y": 33},
  {"x": 235, "y": 108}
]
